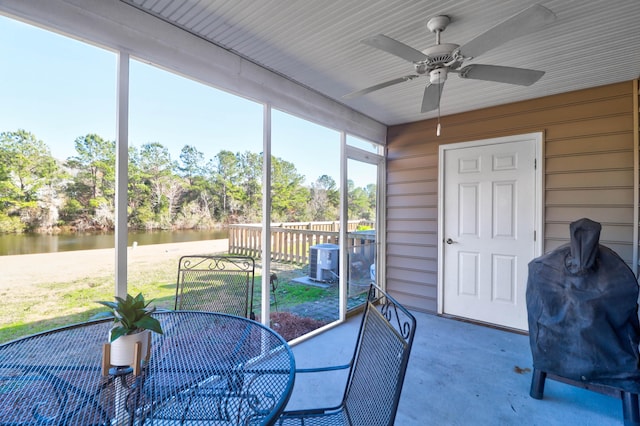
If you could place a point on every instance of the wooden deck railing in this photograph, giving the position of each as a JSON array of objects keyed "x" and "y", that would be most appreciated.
[{"x": 290, "y": 242}]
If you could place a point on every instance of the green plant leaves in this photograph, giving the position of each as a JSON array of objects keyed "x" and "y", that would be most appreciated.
[
  {"x": 130, "y": 316},
  {"x": 149, "y": 323}
]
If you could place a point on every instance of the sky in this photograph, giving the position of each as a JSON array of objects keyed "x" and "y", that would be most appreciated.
[{"x": 60, "y": 89}]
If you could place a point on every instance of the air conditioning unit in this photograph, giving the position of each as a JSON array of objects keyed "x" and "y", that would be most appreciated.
[{"x": 323, "y": 262}]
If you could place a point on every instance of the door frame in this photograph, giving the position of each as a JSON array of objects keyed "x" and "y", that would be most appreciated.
[{"x": 538, "y": 140}]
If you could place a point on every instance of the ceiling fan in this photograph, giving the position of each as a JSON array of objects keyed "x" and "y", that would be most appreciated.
[{"x": 443, "y": 58}]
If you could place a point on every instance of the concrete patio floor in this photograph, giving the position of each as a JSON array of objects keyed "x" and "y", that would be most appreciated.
[{"x": 459, "y": 374}]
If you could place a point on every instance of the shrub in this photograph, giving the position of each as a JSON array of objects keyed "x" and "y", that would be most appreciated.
[{"x": 11, "y": 224}]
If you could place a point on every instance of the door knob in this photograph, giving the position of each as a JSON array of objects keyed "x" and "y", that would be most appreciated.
[{"x": 449, "y": 241}]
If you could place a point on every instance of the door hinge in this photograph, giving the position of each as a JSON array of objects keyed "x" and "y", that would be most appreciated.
[
  {"x": 534, "y": 236},
  {"x": 535, "y": 164}
]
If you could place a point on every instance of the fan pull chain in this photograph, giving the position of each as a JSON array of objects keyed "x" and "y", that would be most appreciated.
[{"x": 439, "y": 94}]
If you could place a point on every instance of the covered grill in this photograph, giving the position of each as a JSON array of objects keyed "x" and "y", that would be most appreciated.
[{"x": 582, "y": 302}]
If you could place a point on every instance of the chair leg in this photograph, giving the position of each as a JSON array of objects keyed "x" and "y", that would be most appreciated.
[
  {"x": 630, "y": 412},
  {"x": 537, "y": 384}
]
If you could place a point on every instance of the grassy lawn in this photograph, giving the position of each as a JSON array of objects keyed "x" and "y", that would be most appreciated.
[{"x": 43, "y": 307}]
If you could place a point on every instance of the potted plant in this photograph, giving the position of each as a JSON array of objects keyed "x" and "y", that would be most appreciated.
[{"x": 132, "y": 323}]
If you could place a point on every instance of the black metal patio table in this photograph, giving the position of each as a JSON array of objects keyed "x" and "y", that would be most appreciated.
[{"x": 206, "y": 369}]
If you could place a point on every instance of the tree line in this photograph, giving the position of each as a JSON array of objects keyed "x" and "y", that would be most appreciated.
[{"x": 39, "y": 193}]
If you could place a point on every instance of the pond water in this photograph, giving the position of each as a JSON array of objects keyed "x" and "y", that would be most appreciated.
[{"x": 11, "y": 244}]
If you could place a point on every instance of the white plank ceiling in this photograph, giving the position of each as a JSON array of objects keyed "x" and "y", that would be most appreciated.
[{"x": 317, "y": 43}]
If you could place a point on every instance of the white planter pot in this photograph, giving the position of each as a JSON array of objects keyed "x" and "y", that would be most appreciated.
[{"x": 123, "y": 348}]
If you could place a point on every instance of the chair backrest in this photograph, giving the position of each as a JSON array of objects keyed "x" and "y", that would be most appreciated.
[
  {"x": 217, "y": 284},
  {"x": 380, "y": 361}
]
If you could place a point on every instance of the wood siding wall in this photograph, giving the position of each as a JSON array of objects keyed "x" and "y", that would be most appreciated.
[{"x": 588, "y": 167}]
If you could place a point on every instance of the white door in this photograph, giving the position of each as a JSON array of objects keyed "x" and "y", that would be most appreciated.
[{"x": 488, "y": 231}]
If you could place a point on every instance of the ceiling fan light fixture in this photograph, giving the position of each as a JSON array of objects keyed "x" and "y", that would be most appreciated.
[{"x": 438, "y": 76}]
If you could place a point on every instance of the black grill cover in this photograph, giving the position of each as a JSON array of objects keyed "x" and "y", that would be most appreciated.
[{"x": 582, "y": 302}]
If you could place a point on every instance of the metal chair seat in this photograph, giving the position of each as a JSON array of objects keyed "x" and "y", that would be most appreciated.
[{"x": 308, "y": 418}]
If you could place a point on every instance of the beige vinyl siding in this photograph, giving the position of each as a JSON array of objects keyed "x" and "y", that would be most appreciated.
[{"x": 589, "y": 165}]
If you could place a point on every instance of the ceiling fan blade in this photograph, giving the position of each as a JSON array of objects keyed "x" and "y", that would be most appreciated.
[
  {"x": 525, "y": 22},
  {"x": 500, "y": 74},
  {"x": 431, "y": 98},
  {"x": 380, "y": 86},
  {"x": 395, "y": 47}
]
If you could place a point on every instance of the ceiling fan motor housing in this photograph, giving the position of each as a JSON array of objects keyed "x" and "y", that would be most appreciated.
[{"x": 440, "y": 55}]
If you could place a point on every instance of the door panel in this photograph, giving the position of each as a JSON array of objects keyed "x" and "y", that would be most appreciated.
[
  {"x": 503, "y": 210},
  {"x": 468, "y": 283},
  {"x": 504, "y": 285},
  {"x": 488, "y": 226},
  {"x": 468, "y": 209}
]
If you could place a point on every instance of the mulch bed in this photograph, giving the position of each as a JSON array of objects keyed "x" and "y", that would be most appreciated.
[{"x": 290, "y": 326}]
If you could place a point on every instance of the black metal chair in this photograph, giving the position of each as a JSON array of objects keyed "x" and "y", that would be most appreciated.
[
  {"x": 376, "y": 371},
  {"x": 217, "y": 284}
]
